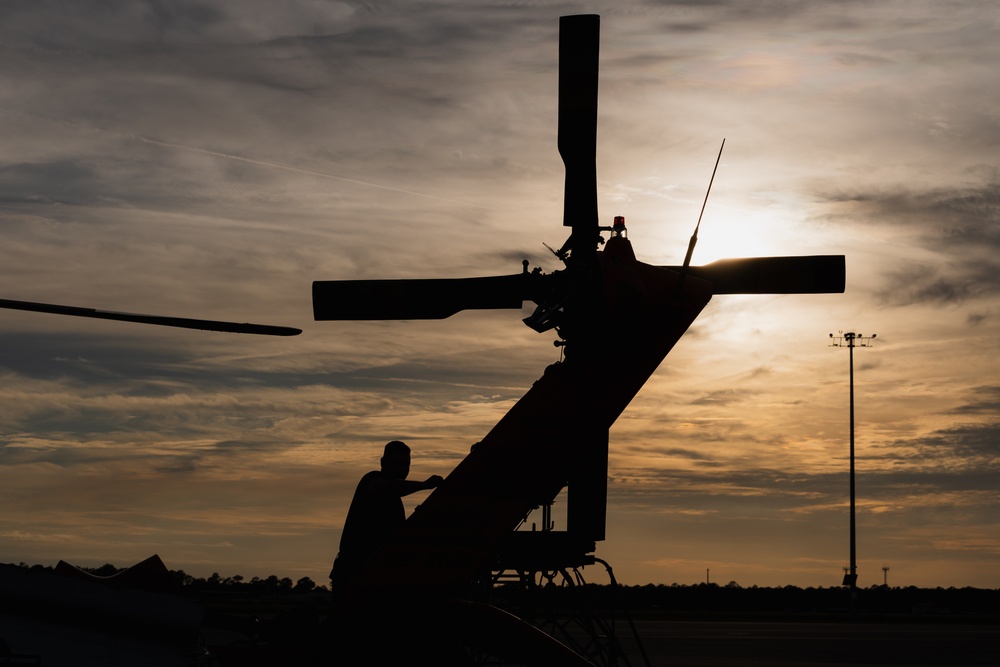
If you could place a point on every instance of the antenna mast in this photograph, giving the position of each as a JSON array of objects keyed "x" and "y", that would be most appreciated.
[{"x": 694, "y": 237}]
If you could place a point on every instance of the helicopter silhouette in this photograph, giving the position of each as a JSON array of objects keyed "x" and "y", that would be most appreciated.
[{"x": 616, "y": 317}]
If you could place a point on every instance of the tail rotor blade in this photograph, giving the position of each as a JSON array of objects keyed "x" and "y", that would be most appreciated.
[
  {"x": 817, "y": 274},
  {"x": 579, "y": 46},
  {"x": 432, "y": 299}
]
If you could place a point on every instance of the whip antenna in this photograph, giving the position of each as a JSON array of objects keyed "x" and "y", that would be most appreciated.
[{"x": 694, "y": 237}]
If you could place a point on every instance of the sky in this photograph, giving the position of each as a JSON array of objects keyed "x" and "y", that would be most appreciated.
[{"x": 210, "y": 159}]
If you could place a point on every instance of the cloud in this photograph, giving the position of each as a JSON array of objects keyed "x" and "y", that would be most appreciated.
[
  {"x": 956, "y": 231},
  {"x": 720, "y": 397},
  {"x": 970, "y": 446}
]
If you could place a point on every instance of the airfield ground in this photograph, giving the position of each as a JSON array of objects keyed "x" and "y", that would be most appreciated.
[{"x": 677, "y": 643}]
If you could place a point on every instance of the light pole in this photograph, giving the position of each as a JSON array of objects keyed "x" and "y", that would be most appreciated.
[{"x": 851, "y": 340}]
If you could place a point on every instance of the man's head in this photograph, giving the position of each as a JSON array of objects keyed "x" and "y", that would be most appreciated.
[{"x": 396, "y": 460}]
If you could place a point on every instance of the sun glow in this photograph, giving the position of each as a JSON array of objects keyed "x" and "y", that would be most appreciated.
[{"x": 730, "y": 234}]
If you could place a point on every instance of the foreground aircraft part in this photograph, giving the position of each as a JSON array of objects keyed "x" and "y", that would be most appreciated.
[
  {"x": 69, "y": 617},
  {"x": 160, "y": 320},
  {"x": 617, "y": 319}
]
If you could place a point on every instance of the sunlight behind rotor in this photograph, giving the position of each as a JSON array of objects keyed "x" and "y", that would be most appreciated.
[
  {"x": 724, "y": 235},
  {"x": 581, "y": 280}
]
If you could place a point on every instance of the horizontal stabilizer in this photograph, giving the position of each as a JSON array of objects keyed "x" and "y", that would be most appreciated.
[
  {"x": 182, "y": 322},
  {"x": 816, "y": 274},
  {"x": 418, "y": 299}
]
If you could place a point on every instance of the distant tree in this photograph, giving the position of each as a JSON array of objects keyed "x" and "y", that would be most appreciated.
[
  {"x": 105, "y": 570},
  {"x": 304, "y": 585}
]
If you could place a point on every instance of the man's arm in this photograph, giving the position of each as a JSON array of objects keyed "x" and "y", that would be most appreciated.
[
  {"x": 404, "y": 487},
  {"x": 431, "y": 482}
]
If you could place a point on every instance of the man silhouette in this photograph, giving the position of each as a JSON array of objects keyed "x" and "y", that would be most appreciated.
[{"x": 376, "y": 511}]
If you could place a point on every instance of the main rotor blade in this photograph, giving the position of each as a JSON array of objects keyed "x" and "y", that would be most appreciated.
[
  {"x": 418, "y": 299},
  {"x": 182, "y": 322},
  {"x": 816, "y": 274},
  {"x": 579, "y": 47}
]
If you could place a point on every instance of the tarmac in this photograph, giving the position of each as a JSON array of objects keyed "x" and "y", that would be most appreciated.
[{"x": 813, "y": 644}]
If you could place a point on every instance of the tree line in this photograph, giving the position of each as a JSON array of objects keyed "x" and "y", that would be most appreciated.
[
  {"x": 184, "y": 582},
  {"x": 701, "y": 598}
]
